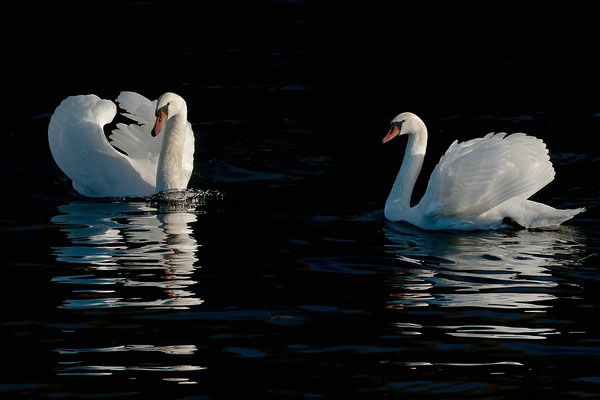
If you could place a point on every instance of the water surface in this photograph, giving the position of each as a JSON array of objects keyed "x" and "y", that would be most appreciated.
[{"x": 133, "y": 295}]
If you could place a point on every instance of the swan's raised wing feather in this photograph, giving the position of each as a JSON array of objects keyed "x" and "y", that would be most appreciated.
[
  {"x": 475, "y": 176},
  {"x": 138, "y": 107},
  {"x": 135, "y": 139}
]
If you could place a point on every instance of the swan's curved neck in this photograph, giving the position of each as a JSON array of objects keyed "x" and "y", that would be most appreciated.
[
  {"x": 170, "y": 161},
  {"x": 399, "y": 198}
]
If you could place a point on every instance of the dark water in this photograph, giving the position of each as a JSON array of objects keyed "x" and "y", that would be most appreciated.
[{"x": 282, "y": 279}]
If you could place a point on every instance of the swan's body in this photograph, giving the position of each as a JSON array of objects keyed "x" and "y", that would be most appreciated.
[
  {"x": 483, "y": 183},
  {"x": 151, "y": 164}
]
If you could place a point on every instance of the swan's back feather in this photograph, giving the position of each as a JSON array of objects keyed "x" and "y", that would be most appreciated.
[{"x": 475, "y": 176}]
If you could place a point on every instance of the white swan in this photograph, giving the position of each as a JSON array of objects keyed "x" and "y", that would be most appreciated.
[
  {"x": 483, "y": 183},
  {"x": 147, "y": 162}
]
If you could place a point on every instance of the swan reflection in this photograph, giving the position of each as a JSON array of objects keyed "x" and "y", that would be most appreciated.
[
  {"x": 127, "y": 250},
  {"x": 495, "y": 281},
  {"x": 492, "y": 269}
]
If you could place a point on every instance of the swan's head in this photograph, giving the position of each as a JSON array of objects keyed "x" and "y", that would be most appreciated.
[
  {"x": 167, "y": 106},
  {"x": 404, "y": 124}
]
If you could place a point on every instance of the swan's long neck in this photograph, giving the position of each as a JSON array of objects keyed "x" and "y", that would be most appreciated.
[
  {"x": 170, "y": 161},
  {"x": 399, "y": 198}
]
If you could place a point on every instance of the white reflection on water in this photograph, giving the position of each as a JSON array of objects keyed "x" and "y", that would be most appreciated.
[
  {"x": 128, "y": 245},
  {"x": 481, "y": 270},
  {"x": 486, "y": 269},
  {"x": 173, "y": 349},
  {"x": 104, "y": 370}
]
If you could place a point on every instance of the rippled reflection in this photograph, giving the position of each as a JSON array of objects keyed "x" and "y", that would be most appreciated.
[
  {"x": 494, "y": 272},
  {"x": 176, "y": 349},
  {"x": 123, "y": 246}
]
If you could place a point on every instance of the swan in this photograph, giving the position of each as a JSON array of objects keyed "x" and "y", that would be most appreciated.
[
  {"x": 137, "y": 161},
  {"x": 482, "y": 183}
]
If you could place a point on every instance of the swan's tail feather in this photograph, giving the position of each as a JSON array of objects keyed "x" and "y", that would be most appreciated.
[
  {"x": 567, "y": 214},
  {"x": 555, "y": 217}
]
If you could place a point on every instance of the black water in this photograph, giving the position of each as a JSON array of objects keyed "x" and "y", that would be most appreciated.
[{"x": 282, "y": 279}]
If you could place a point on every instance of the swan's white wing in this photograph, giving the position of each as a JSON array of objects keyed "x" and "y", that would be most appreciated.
[
  {"x": 81, "y": 150},
  {"x": 476, "y": 176}
]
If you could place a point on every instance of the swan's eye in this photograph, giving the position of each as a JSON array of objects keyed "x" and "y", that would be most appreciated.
[
  {"x": 398, "y": 125},
  {"x": 163, "y": 109}
]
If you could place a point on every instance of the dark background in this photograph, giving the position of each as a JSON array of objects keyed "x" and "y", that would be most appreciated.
[{"x": 345, "y": 70}]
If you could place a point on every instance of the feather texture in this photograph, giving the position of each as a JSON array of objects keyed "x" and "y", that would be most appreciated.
[{"x": 475, "y": 176}]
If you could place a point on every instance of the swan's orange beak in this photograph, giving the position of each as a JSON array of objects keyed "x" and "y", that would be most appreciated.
[
  {"x": 391, "y": 134},
  {"x": 161, "y": 118}
]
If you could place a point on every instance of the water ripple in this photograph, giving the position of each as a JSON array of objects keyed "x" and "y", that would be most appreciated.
[
  {"x": 128, "y": 237},
  {"x": 173, "y": 349},
  {"x": 483, "y": 270},
  {"x": 103, "y": 370},
  {"x": 498, "y": 332}
]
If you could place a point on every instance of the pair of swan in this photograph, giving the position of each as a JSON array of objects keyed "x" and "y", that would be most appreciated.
[{"x": 483, "y": 183}]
